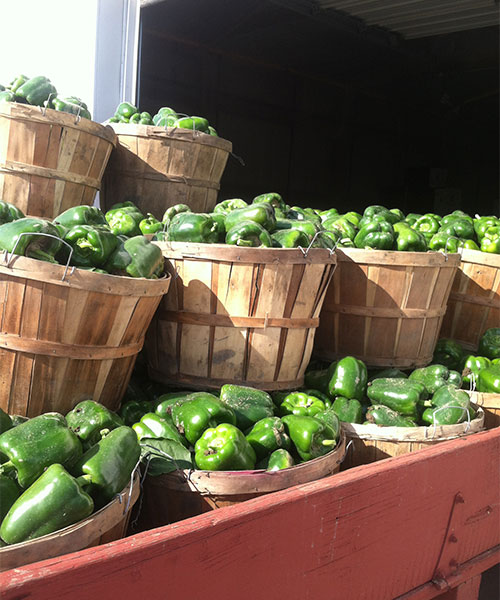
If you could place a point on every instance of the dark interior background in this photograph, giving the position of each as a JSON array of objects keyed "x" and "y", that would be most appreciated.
[{"x": 327, "y": 111}]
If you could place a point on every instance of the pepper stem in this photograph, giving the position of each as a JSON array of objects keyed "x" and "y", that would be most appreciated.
[
  {"x": 329, "y": 442},
  {"x": 84, "y": 480},
  {"x": 7, "y": 467}
]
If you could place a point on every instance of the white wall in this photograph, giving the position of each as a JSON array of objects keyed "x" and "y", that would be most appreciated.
[{"x": 88, "y": 48}]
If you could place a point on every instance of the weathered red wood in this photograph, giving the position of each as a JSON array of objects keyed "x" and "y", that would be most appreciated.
[
  {"x": 372, "y": 533},
  {"x": 469, "y": 590}
]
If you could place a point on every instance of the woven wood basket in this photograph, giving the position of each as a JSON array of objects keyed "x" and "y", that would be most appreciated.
[
  {"x": 183, "y": 494},
  {"x": 50, "y": 161},
  {"x": 106, "y": 525},
  {"x": 238, "y": 315},
  {"x": 385, "y": 308},
  {"x": 69, "y": 335},
  {"x": 369, "y": 443},
  {"x": 490, "y": 403},
  {"x": 474, "y": 304},
  {"x": 157, "y": 168}
]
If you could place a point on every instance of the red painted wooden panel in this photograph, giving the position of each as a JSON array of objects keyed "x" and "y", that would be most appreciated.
[{"x": 374, "y": 533}]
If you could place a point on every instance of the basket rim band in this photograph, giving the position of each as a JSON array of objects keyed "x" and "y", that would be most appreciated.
[
  {"x": 385, "y": 312},
  {"x": 155, "y": 176},
  {"x": 216, "y": 320},
  {"x": 466, "y": 298},
  {"x": 12, "y": 166}
]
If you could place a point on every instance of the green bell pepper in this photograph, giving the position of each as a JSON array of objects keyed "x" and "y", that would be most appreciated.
[
  {"x": 435, "y": 376},
  {"x": 124, "y": 220},
  {"x": 193, "y": 123},
  {"x": 150, "y": 225},
  {"x": 268, "y": 435},
  {"x": 348, "y": 410},
  {"x": 472, "y": 366},
  {"x": 442, "y": 242},
  {"x": 408, "y": 239},
  {"x": 153, "y": 425},
  {"x": 63, "y": 105},
  {"x": 384, "y": 416},
  {"x": 300, "y": 403},
  {"x": 402, "y": 395},
  {"x": 249, "y": 405},
  {"x": 376, "y": 235},
  {"x": 349, "y": 378},
  {"x": 9, "y": 213},
  {"x": 166, "y": 402},
  {"x": 248, "y": 234},
  {"x": 36, "y": 444},
  {"x": 460, "y": 228},
  {"x": 226, "y": 206},
  {"x": 312, "y": 438},
  {"x": 20, "y": 237},
  {"x": 5, "y": 421},
  {"x": 17, "y": 82},
  {"x": 224, "y": 448},
  {"x": 490, "y": 241},
  {"x": 9, "y": 493},
  {"x": 171, "y": 211},
  {"x": 488, "y": 380},
  {"x": 318, "y": 379},
  {"x": 278, "y": 460},
  {"x": 448, "y": 353},
  {"x": 342, "y": 225},
  {"x": 263, "y": 214},
  {"x": 126, "y": 110},
  {"x": 133, "y": 410},
  {"x": 107, "y": 466},
  {"x": 136, "y": 257},
  {"x": 272, "y": 198},
  {"x": 88, "y": 419},
  {"x": 81, "y": 215},
  {"x": 289, "y": 238},
  {"x": 391, "y": 372},
  {"x": 92, "y": 246},
  {"x": 54, "y": 501},
  {"x": 448, "y": 406},
  {"x": 7, "y": 96},
  {"x": 330, "y": 418},
  {"x": 456, "y": 214},
  {"x": 483, "y": 223},
  {"x": 36, "y": 90},
  {"x": 193, "y": 227},
  {"x": 427, "y": 225},
  {"x": 164, "y": 111},
  {"x": 199, "y": 412}
]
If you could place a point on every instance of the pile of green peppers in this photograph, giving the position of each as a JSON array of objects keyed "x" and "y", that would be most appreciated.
[
  {"x": 39, "y": 91},
  {"x": 56, "y": 470},
  {"x": 165, "y": 117},
  {"x": 86, "y": 238},
  {"x": 239, "y": 428},
  {"x": 269, "y": 222}
]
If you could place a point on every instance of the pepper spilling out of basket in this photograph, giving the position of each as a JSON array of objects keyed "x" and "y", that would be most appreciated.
[
  {"x": 39, "y": 91},
  {"x": 165, "y": 117},
  {"x": 83, "y": 237},
  {"x": 58, "y": 470},
  {"x": 269, "y": 221}
]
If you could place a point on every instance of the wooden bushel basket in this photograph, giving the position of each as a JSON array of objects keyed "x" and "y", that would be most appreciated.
[
  {"x": 474, "y": 304},
  {"x": 49, "y": 160},
  {"x": 106, "y": 525},
  {"x": 69, "y": 334},
  {"x": 183, "y": 494},
  {"x": 238, "y": 315},
  {"x": 385, "y": 307},
  {"x": 156, "y": 168},
  {"x": 490, "y": 403},
  {"x": 369, "y": 443}
]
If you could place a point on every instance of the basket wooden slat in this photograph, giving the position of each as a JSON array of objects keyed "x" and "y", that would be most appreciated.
[
  {"x": 50, "y": 161},
  {"x": 66, "y": 339},
  {"x": 385, "y": 308},
  {"x": 369, "y": 443},
  {"x": 157, "y": 168},
  {"x": 474, "y": 304},
  {"x": 490, "y": 403},
  {"x": 240, "y": 315},
  {"x": 106, "y": 525},
  {"x": 183, "y": 494}
]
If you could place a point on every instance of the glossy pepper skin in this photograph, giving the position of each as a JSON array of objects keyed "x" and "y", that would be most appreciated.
[
  {"x": 268, "y": 435},
  {"x": 386, "y": 417},
  {"x": 249, "y": 405},
  {"x": 435, "y": 376},
  {"x": 92, "y": 246},
  {"x": 342, "y": 225},
  {"x": 136, "y": 257},
  {"x": 5, "y": 421},
  {"x": 132, "y": 411},
  {"x": 489, "y": 344},
  {"x": 448, "y": 406},
  {"x": 88, "y": 419},
  {"x": 193, "y": 123},
  {"x": 17, "y": 82},
  {"x": 289, "y": 238},
  {"x": 164, "y": 111},
  {"x": 490, "y": 241},
  {"x": 9, "y": 493},
  {"x": 448, "y": 353},
  {"x": 9, "y": 213},
  {"x": 22, "y": 235},
  {"x": 248, "y": 234},
  {"x": 427, "y": 225},
  {"x": 81, "y": 215},
  {"x": 443, "y": 242},
  {"x": 63, "y": 105},
  {"x": 224, "y": 448},
  {"x": 262, "y": 214},
  {"x": 329, "y": 417},
  {"x": 472, "y": 366},
  {"x": 171, "y": 211},
  {"x": 125, "y": 109},
  {"x": 199, "y": 412},
  {"x": 408, "y": 239},
  {"x": 54, "y": 501},
  {"x": 402, "y": 395},
  {"x": 488, "y": 380},
  {"x": 483, "y": 223},
  {"x": 272, "y": 198},
  {"x": 300, "y": 403},
  {"x": 391, "y": 372},
  {"x": 376, "y": 235},
  {"x": 460, "y": 228},
  {"x": 312, "y": 438},
  {"x": 150, "y": 225},
  {"x": 348, "y": 410},
  {"x": 36, "y": 90},
  {"x": 349, "y": 378},
  {"x": 36, "y": 444},
  {"x": 226, "y": 206},
  {"x": 278, "y": 460},
  {"x": 193, "y": 227},
  {"x": 107, "y": 466},
  {"x": 166, "y": 402},
  {"x": 124, "y": 220},
  {"x": 153, "y": 425}
]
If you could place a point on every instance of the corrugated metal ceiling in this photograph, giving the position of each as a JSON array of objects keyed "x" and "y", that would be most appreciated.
[{"x": 420, "y": 18}]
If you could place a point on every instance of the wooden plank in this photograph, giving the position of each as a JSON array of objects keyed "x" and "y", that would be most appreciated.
[{"x": 371, "y": 533}]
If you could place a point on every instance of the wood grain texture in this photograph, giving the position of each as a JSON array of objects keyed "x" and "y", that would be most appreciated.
[
  {"x": 385, "y": 308},
  {"x": 66, "y": 336},
  {"x": 474, "y": 304},
  {"x": 104, "y": 526},
  {"x": 490, "y": 403},
  {"x": 50, "y": 161},
  {"x": 158, "y": 167},
  {"x": 246, "y": 316},
  {"x": 372, "y": 533}
]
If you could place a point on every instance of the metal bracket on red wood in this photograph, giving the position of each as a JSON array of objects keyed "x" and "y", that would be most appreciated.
[{"x": 447, "y": 564}]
